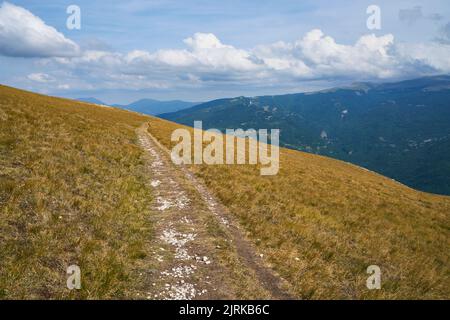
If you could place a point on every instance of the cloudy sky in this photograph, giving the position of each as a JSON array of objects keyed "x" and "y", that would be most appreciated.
[{"x": 205, "y": 49}]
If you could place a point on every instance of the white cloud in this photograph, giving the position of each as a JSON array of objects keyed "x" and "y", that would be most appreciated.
[
  {"x": 40, "y": 77},
  {"x": 210, "y": 52},
  {"x": 434, "y": 56},
  {"x": 205, "y": 53},
  {"x": 208, "y": 61},
  {"x": 23, "y": 34},
  {"x": 317, "y": 55}
]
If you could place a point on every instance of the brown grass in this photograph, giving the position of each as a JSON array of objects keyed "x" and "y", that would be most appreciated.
[
  {"x": 71, "y": 192},
  {"x": 321, "y": 222}
]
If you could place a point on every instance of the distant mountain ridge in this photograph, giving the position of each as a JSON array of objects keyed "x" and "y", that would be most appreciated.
[
  {"x": 155, "y": 107},
  {"x": 91, "y": 100},
  {"x": 399, "y": 129},
  {"x": 146, "y": 106}
]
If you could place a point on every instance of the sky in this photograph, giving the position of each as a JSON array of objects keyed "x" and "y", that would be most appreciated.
[{"x": 206, "y": 49}]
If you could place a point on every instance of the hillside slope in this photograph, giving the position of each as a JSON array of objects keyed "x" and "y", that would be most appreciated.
[
  {"x": 84, "y": 184},
  {"x": 321, "y": 222},
  {"x": 400, "y": 130},
  {"x": 72, "y": 191}
]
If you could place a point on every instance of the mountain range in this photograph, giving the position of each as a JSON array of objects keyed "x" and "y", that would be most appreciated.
[
  {"x": 91, "y": 100},
  {"x": 147, "y": 106},
  {"x": 399, "y": 129}
]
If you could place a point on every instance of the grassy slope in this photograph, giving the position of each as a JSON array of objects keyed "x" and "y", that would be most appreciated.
[
  {"x": 71, "y": 192},
  {"x": 321, "y": 222}
]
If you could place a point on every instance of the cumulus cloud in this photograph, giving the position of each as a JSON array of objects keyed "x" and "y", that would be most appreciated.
[
  {"x": 208, "y": 51},
  {"x": 205, "y": 58},
  {"x": 205, "y": 52},
  {"x": 431, "y": 57},
  {"x": 207, "y": 61},
  {"x": 318, "y": 55},
  {"x": 23, "y": 34},
  {"x": 315, "y": 55}
]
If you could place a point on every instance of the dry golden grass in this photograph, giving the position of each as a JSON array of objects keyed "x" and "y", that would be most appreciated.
[
  {"x": 71, "y": 192},
  {"x": 321, "y": 222}
]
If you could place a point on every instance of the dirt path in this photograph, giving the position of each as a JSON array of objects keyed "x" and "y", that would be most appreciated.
[{"x": 198, "y": 251}]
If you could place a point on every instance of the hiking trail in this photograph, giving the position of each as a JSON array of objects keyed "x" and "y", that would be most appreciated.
[{"x": 198, "y": 250}]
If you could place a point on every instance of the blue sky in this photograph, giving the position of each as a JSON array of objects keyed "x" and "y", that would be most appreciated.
[{"x": 200, "y": 50}]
